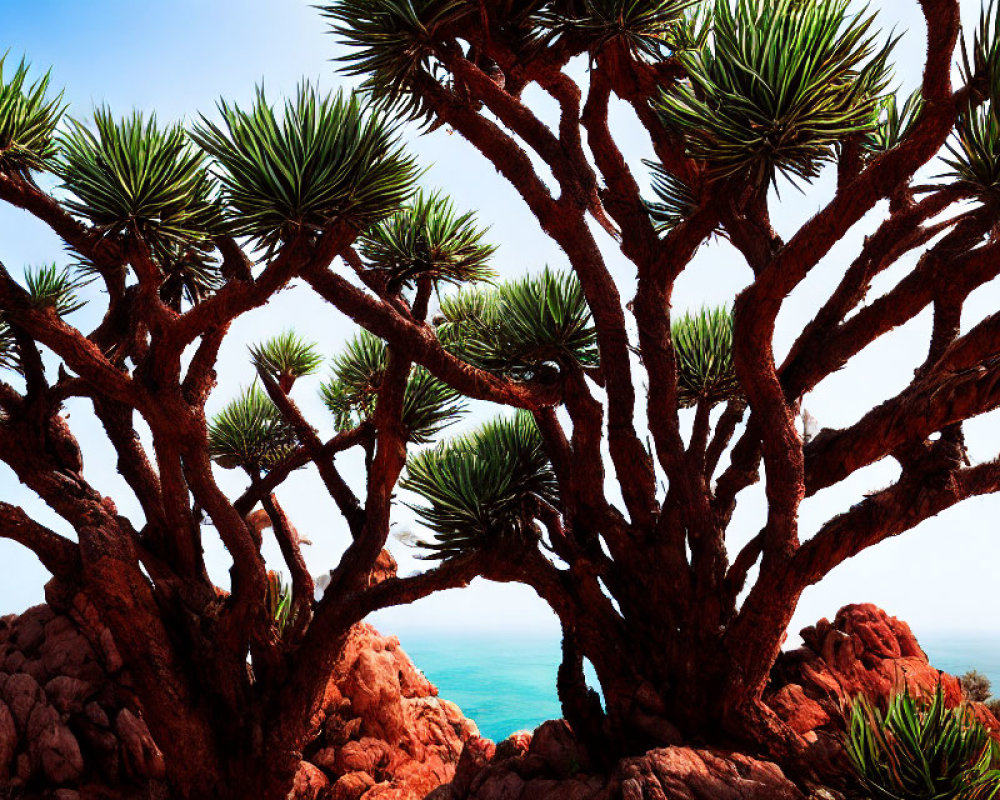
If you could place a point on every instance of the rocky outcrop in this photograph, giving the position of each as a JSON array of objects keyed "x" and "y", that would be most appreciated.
[
  {"x": 70, "y": 728},
  {"x": 863, "y": 651},
  {"x": 551, "y": 765},
  {"x": 67, "y": 722},
  {"x": 386, "y": 735}
]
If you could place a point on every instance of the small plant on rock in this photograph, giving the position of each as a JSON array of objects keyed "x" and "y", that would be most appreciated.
[{"x": 918, "y": 749}]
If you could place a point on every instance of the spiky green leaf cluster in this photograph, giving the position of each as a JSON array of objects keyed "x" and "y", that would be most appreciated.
[
  {"x": 644, "y": 27},
  {"x": 323, "y": 159},
  {"x": 51, "y": 287},
  {"x": 391, "y": 43},
  {"x": 250, "y": 433},
  {"x": 675, "y": 202},
  {"x": 428, "y": 239},
  {"x": 351, "y": 394},
  {"x": 278, "y": 599},
  {"x": 894, "y": 123},
  {"x": 482, "y": 489},
  {"x": 286, "y": 357},
  {"x": 523, "y": 328},
  {"x": 9, "y": 358},
  {"x": 778, "y": 86},
  {"x": 921, "y": 749},
  {"x": 981, "y": 58},
  {"x": 28, "y": 120},
  {"x": 974, "y": 153},
  {"x": 132, "y": 176},
  {"x": 703, "y": 347}
]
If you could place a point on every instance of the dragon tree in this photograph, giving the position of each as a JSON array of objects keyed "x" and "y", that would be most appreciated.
[
  {"x": 609, "y": 482},
  {"x": 613, "y": 491},
  {"x": 174, "y": 234}
]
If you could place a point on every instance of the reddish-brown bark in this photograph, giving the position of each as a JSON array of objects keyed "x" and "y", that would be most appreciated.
[{"x": 649, "y": 592}]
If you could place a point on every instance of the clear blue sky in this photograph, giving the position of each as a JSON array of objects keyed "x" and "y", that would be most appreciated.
[{"x": 178, "y": 58}]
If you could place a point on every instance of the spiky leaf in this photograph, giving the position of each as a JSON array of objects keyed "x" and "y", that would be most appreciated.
[
  {"x": 391, "y": 43},
  {"x": 643, "y": 27},
  {"x": 322, "y": 159},
  {"x": 286, "y": 357},
  {"x": 132, "y": 176},
  {"x": 894, "y": 123},
  {"x": 428, "y": 240},
  {"x": 51, "y": 287},
  {"x": 28, "y": 120},
  {"x": 250, "y": 433},
  {"x": 482, "y": 489},
  {"x": 703, "y": 346},
  {"x": 974, "y": 153},
  {"x": 920, "y": 748},
  {"x": 351, "y": 394},
  {"x": 778, "y": 86},
  {"x": 523, "y": 328}
]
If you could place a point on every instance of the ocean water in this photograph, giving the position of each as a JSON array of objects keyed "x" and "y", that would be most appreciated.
[{"x": 507, "y": 683}]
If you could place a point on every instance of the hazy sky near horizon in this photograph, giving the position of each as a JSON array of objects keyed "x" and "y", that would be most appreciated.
[{"x": 178, "y": 58}]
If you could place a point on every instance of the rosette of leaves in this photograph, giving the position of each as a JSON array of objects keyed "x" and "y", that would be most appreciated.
[
  {"x": 324, "y": 158},
  {"x": 392, "y": 44},
  {"x": 47, "y": 287},
  {"x": 28, "y": 120},
  {"x": 429, "y": 239},
  {"x": 250, "y": 433},
  {"x": 131, "y": 176},
  {"x": 482, "y": 489},
  {"x": 973, "y": 159},
  {"x": 703, "y": 348},
  {"x": 777, "y": 86},
  {"x": 643, "y": 27},
  {"x": 351, "y": 394},
  {"x": 922, "y": 749},
  {"x": 675, "y": 202},
  {"x": 524, "y": 329},
  {"x": 894, "y": 122},
  {"x": 286, "y": 358}
]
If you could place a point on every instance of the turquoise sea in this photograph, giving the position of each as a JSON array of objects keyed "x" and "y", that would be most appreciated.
[{"x": 507, "y": 683}]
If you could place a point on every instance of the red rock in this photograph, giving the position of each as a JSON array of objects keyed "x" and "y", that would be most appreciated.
[
  {"x": 863, "y": 651},
  {"x": 22, "y": 693},
  {"x": 8, "y": 741},
  {"x": 142, "y": 757},
  {"x": 310, "y": 782},
  {"x": 351, "y": 786},
  {"x": 53, "y": 748},
  {"x": 67, "y": 694}
]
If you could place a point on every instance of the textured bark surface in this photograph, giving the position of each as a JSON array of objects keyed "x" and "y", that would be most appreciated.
[{"x": 69, "y": 720}]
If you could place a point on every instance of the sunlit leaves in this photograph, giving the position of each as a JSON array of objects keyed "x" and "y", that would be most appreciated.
[
  {"x": 391, "y": 43},
  {"x": 921, "y": 748},
  {"x": 974, "y": 153},
  {"x": 428, "y": 239},
  {"x": 28, "y": 120},
  {"x": 482, "y": 489},
  {"x": 51, "y": 287},
  {"x": 524, "y": 328},
  {"x": 286, "y": 357},
  {"x": 132, "y": 176},
  {"x": 319, "y": 160},
  {"x": 351, "y": 394},
  {"x": 250, "y": 433},
  {"x": 703, "y": 346},
  {"x": 779, "y": 84},
  {"x": 643, "y": 27},
  {"x": 894, "y": 122}
]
